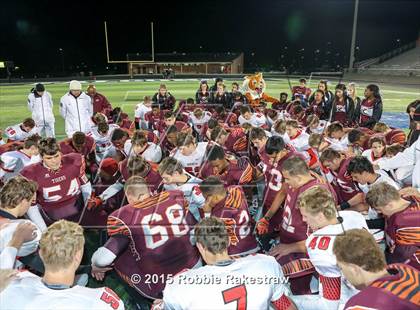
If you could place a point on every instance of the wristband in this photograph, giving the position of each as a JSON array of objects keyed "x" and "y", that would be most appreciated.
[{"x": 344, "y": 205}]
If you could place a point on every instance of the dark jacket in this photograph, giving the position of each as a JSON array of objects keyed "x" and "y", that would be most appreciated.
[
  {"x": 167, "y": 102},
  {"x": 373, "y": 119},
  {"x": 349, "y": 105}
]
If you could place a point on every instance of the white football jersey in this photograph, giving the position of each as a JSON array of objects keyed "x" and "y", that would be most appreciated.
[
  {"x": 198, "y": 123},
  {"x": 372, "y": 214},
  {"x": 192, "y": 163},
  {"x": 382, "y": 177},
  {"x": 141, "y": 110},
  {"x": 338, "y": 145},
  {"x": 16, "y": 133},
  {"x": 320, "y": 250},
  {"x": 14, "y": 162},
  {"x": 152, "y": 153},
  {"x": 369, "y": 155},
  {"x": 102, "y": 142},
  {"x": 300, "y": 141},
  {"x": 284, "y": 136},
  {"x": 321, "y": 127},
  {"x": 192, "y": 194},
  {"x": 8, "y": 228},
  {"x": 257, "y": 120},
  {"x": 254, "y": 281},
  {"x": 34, "y": 294}
]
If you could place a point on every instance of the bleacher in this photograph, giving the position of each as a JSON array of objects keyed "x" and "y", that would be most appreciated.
[{"x": 403, "y": 61}]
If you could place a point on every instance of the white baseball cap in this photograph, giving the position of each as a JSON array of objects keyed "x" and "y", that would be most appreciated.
[{"x": 75, "y": 85}]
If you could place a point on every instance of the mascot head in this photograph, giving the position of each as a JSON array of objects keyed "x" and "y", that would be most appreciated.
[{"x": 254, "y": 85}]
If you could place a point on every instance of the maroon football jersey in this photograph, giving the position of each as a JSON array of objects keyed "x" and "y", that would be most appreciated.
[
  {"x": 237, "y": 141},
  {"x": 181, "y": 126},
  {"x": 229, "y": 118},
  {"x": 158, "y": 229},
  {"x": 153, "y": 119},
  {"x": 262, "y": 154},
  {"x": 66, "y": 147},
  {"x": 396, "y": 135},
  {"x": 343, "y": 183},
  {"x": 399, "y": 290},
  {"x": 58, "y": 191},
  {"x": 151, "y": 176},
  {"x": 151, "y": 137},
  {"x": 233, "y": 210},
  {"x": 238, "y": 172},
  {"x": 293, "y": 228},
  {"x": 274, "y": 179},
  {"x": 402, "y": 233}
]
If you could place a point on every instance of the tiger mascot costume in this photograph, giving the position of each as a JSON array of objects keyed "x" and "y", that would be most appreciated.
[{"x": 254, "y": 89}]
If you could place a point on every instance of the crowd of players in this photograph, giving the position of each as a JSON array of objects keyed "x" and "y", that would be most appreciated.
[{"x": 211, "y": 202}]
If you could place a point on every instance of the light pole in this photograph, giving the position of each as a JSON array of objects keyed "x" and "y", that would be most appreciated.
[
  {"x": 353, "y": 36},
  {"x": 62, "y": 59}
]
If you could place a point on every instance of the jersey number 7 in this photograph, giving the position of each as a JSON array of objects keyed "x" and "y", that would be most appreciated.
[{"x": 238, "y": 294}]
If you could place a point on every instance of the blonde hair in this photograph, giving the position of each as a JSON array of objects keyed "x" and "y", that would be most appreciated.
[
  {"x": 315, "y": 140},
  {"x": 318, "y": 200},
  {"x": 136, "y": 186},
  {"x": 380, "y": 127},
  {"x": 15, "y": 191},
  {"x": 312, "y": 119},
  {"x": 292, "y": 123},
  {"x": 198, "y": 113},
  {"x": 60, "y": 244},
  {"x": 280, "y": 126},
  {"x": 353, "y": 86}
]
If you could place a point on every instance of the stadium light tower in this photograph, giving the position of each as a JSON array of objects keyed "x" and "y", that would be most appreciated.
[{"x": 353, "y": 36}]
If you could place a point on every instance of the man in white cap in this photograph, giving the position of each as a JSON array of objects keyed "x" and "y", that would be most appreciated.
[
  {"x": 40, "y": 103},
  {"x": 76, "y": 109}
]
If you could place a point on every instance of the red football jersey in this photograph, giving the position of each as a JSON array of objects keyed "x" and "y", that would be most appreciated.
[
  {"x": 181, "y": 126},
  {"x": 154, "y": 119},
  {"x": 233, "y": 210},
  {"x": 229, "y": 118},
  {"x": 398, "y": 290},
  {"x": 238, "y": 172},
  {"x": 158, "y": 230},
  {"x": 274, "y": 179},
  {"x": 151, "y": 176},
  {"x": 66, "y": 147},
  {"x": 343, "y": 183},
  {"x": 237, "y": 141},
  {"x": 293, "y": 228},
  {"x": 396, "y": 135},
  {"x": 58, "y": 191},
  {"x": 402, "y": 233}
]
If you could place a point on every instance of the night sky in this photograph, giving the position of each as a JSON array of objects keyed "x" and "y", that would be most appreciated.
[{"x": 32, "y": 32}]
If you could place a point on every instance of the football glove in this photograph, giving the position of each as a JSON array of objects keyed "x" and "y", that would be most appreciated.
[
  {"x": 94, "y": 202},
  {"x": 262, "y": 226}
]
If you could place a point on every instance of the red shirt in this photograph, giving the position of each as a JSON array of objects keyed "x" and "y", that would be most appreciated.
[
  {"x": 238, "y": 172},
  {"x": 58, "y": 191},
  {"x": 157, "y": 230},
  {"x": 399, "y": 290},
  {"x": 234, "y": 211},
  {"x": 101, "y": 104},
  {"x": 66, "y": 147},
  {"x": 402, "y": 233}
]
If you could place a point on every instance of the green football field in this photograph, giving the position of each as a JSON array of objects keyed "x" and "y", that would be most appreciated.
[{"x": 126, "y": 94}]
